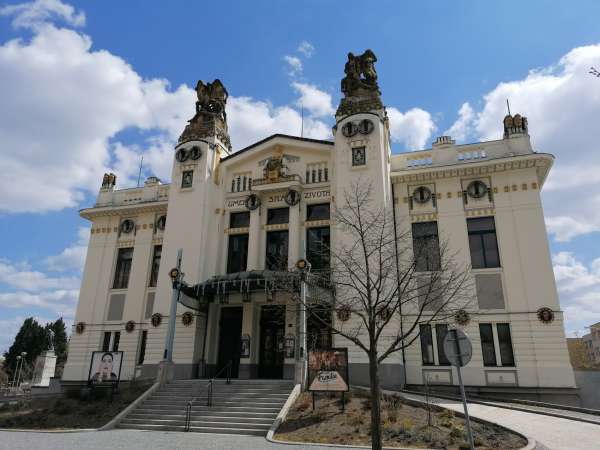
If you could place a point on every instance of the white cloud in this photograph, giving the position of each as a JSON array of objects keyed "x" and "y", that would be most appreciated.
[
  {"x": 23, "y": 278},
  {"x": 61, "y": 301},
  {"x": 38, "y": 12},
  {"x": 294, "y": 65},
  {"x": 463, "y": 127},
  {"x": 565, "y": 228},
  {"x": 412, "y": 128},
  {"x": 72, "y": 257},
  {"x": 579, "y": 289},
  {"x": 316, "y": 101},
  {"x": 306, "y": 48},
  {"x": 251, "y": 120}
]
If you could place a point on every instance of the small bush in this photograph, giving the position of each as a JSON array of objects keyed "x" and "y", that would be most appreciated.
[
  {"x": 406, "y": 425},
  {"x": 447, "y": 414},
  {"x": 456, "y": 432}
]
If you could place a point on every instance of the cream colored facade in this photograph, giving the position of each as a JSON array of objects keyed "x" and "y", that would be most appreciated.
[{"x": 198, "y": 221}]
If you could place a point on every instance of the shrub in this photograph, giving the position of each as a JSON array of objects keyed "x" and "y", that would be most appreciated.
[
  {"x": 456, "y": 432},
  {"x": 406, "y": 425},
  {"x": 447, "y": 414}
]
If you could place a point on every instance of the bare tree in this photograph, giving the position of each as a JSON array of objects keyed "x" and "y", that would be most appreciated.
[{"x": 381, "y": 289}]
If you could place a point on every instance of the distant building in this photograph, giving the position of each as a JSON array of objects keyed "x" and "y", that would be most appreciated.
[
  {"x": 591, "y": 344},
  {"x": 240, "y": 215}
]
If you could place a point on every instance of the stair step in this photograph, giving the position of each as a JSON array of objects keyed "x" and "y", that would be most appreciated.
[
  {"x": 225, "y": 422},
  {"x": 197, "y": 429}
]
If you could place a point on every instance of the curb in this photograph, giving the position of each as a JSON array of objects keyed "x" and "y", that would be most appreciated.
[
  {"x": 119, "y": 417},
  {"x": 284, "y": 412}
]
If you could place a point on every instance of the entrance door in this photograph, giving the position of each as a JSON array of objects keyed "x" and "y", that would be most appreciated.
[
  {"x": 272, "y": 341},
  {"x": 230, "y": 335}
]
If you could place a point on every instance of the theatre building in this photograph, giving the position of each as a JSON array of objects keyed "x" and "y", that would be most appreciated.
[{"x": 241, "y": 215}]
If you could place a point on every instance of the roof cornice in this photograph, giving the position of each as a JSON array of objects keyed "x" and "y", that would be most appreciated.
[{"x": 138, "y": 208}]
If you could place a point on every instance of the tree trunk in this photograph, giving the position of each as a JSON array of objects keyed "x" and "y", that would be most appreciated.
[{"x": 375, "y": 402}]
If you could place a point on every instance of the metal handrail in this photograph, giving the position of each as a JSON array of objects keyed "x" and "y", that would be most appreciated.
[{"x": 209, "y": 386}]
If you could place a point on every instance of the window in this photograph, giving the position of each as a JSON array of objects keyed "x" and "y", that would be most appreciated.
[
  {"x": 116, "y": 339},
  {"x": 486, "y": 334},
  {"x": 507, "y": 357},
  {"x": 317, "y": 173},
  {"x": 426, "y": 345},
  {"x": 359, "y": 156},
  {"x": 187, "y": 178},
  {"x": 124, "y": 258},
  {"x": 426, "y": 246},
  {"x": 317, "y": 212},
  {"x": 142, "y": 353},
  {"x": 441, "y": 329},
  {"x": 106, "y": 341},
  {"x": 239, "y": 219},
  {"x": 278, "y": 215},
  {"x": 237, "y": 253},
  {"x": 277, "y": 250},
  {"x": 241, "y": 182},
  {"x": 116, "y": 306},
  {"x": 149, "y": 305},
  {"x": 155, "y": 265},
  {"x": 483, "y": 242},
  {"x": 317, "y": 248}
]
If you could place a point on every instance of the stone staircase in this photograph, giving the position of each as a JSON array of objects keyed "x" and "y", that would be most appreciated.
[{"x": 243, "y": 407}]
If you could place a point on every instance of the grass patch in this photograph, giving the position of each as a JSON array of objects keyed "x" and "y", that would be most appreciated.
[
  {"x": 403, "y": 424},
  {"x": 69, "y": 411}
]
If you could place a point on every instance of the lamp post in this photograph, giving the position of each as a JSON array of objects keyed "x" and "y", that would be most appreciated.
[
  {"x": 14, "y": 381},
  {"x": 303, "y": 266},
  {"x": 23, "y": 355}
]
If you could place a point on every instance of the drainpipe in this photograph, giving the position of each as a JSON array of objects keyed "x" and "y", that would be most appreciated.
[{"x": 398, "y": 280}]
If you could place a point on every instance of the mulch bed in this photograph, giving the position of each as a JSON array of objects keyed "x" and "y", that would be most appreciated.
[
  {"x": 403, "y": 425},
  {"x": 68, "y": 411}
]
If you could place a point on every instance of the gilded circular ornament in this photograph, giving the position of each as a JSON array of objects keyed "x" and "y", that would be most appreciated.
[
  {"x": 156, "y": 319},
  {"x": 422, "y": 194},
  {"x": 195, "y": 152},
  {"x": 349, "y": 129},
  {"x": 343, "y": 314},
  {"x": 182, "y": 155},
  {"x": 477, "y": 189},
  {"x": 187, "y": 318},
  {"x": 127, "y": 226},
  {"x": 545, "y": 315},
  {"x": 80, "y": 327},
  {"x": 252, "y": 202},
  {"x": 292, "y": 197},
  {"x": 462, "y": 317},
  {"x": 365, "y": 126},
  {"x": 130, "y": 326}
]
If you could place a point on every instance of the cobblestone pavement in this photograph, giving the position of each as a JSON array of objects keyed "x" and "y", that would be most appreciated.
[
  {"x": 551, "y": 432},
  {"x": 138, "y": 440}
]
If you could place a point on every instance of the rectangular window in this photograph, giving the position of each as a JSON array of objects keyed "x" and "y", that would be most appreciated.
[
  {"x": 317, "y": 248},
  {"x": 155, "y": 265},
  {"x": 441, "y": 329},
  {"x": 426, "y": 345},
  {"x": 149, "y": 305},
  {"x": 507, "y": 357},
  {"x": 487, "y": 344},
  {"x": 116, "y": 306},
  {"x": 277, "y": 250},
  {"x": 359, "y": 156},
  {"x": 116, "y": 339},
  {"x": 426, "y": 246},
  {"x": 106, "y": 341},
  {"x": 237, "y": 253},
  {"x": 483, "y": 243},
  {"x": 142, "y": 354},
  {"x": 124, "y": 259},
  {"x": 187, "y": 178},
  {"x": 239, "y": 219},
  {"x": 278, "y": 216},
  {"x": 317, "y": 212}
]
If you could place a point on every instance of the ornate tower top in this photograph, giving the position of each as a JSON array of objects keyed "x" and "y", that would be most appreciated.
[
  {"x": 211, "y": 118},
  {"x": 360, "y": 88},
  {"x": 515, "y": 125}
]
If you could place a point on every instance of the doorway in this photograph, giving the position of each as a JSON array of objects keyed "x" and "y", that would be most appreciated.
[
  {"x": 230, "y": 335},
  {"x": 272, "y": 342}
]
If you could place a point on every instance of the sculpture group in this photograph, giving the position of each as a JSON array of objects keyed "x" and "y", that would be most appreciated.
[{"x": 360, "y": 74}]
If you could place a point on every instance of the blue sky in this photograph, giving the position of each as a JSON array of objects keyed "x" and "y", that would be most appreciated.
[{"x": 90, "y": 86}]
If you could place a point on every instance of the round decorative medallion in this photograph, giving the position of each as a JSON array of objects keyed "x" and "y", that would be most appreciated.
[
  {"x": 422, "y": 194},
  {"x": 182, "y": 155},
  {"x": 252, "y": 202},
  {"x": 156, "y": 319},
  {"x": 384, "y": 314},
  {"x": 545, "y": 315},
  {"x": 349, "y": 129},
  {"x": 462, "y": 317},
  {"x": 80, "y": 327},
  {"x": 292, "y": 197},
  {"x": 477, "y": 189},
  {"x": 366, "y": 126},
  {"x": 161, "y": 223},
  {"x": 343, "y": 314},
  {"x": 127, "y": 226},
  {"x": 187, "y": 318},
  {"x": 130, "y": 326},
  {"x": 195, "y": 152}
]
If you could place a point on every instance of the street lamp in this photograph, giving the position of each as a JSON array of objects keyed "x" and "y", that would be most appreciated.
[
  {"x": 14, "y": 381},
  {"x": 303, "y": 266},
  {"x": 23, "y": 355}
]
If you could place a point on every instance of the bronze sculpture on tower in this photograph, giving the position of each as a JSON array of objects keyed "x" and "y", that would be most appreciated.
[{"x": 359, "y": 86}]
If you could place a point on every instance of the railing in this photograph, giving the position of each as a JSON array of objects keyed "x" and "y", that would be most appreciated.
[{"x": 209, "y": 386}]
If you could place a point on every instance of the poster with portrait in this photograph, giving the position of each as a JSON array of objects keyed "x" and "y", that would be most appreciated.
[
  {"x": 328, "y": 370},
  {"x": 105, "y": 367}
]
